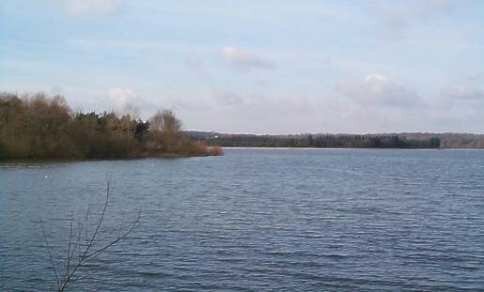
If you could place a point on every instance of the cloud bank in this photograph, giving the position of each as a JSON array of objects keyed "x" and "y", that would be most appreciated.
[
  {"x": 84, "y": 7},
  {"x": 242, "y": 59},
  {"x": 378, "y": 90}
]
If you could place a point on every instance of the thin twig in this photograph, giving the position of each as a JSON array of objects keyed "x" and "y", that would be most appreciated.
[
  {"x": 68, "y": 256},
  {"x": 119, "y": 238},
  {"x": 51, "y": 258}
]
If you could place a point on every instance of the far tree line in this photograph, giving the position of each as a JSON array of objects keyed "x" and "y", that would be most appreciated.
[
  {"x": 42, "y": 127},
  {"x": 316, "y": 141}
]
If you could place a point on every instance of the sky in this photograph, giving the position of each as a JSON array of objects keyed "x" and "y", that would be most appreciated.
[{"x": 252, "y": 66}]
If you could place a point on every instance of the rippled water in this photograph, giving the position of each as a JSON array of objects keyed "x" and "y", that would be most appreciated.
[{"x": 256, "y": 220}]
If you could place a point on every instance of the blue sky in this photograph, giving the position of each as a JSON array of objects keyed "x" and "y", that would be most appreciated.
[{"x": 256, "y": 66}]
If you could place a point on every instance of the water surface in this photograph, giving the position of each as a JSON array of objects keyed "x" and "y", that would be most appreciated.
[{"x": 256, "y": 220}]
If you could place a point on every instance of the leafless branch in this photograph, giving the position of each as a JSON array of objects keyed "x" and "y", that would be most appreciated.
[
  {"x": 51, "y": 258},
  {"x": 80, "y": 250}
]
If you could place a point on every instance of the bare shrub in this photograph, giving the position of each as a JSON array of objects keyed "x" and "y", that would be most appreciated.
[{"x": 83, "y": 245}]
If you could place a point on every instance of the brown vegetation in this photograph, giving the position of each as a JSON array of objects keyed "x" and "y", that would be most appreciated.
[{"x": 41, "y": 127}]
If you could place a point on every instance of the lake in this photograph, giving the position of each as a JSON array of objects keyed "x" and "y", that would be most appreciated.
[{"x": 254, "y": 220}]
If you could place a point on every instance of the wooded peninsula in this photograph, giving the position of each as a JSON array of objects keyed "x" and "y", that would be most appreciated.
[{"x": 42, "y": 127}]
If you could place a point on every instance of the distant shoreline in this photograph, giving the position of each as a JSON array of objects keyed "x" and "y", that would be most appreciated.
[
  {"x": 341, "y": 148},
  {"x": 61, "y": 160},
  {"x": 370, "y": 141}
]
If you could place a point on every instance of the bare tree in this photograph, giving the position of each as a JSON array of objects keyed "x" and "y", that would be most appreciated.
[{"x": 83, "y": 245}]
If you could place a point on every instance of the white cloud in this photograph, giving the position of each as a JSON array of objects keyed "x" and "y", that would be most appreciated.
[
  {"x": 243, "y": 59},
  {"x": 463, "y": 93},
  {"x": 228, "y": 98},
  {"x": 398, "y": 16},
  {"x": 478, "y": 77},
  {"x": 80, "y": 7},
  {"x": 123, "y": 100},
  {"x": 379, "y": 90}
]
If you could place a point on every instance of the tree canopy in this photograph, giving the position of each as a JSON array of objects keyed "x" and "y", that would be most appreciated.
[{"x": 42, "y": 127}]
